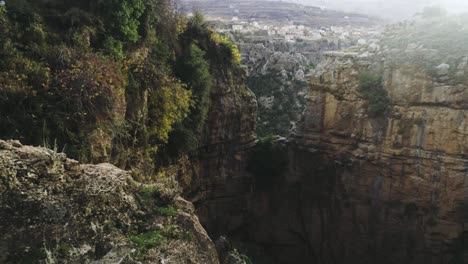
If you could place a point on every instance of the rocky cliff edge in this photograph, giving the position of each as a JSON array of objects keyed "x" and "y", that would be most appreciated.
[{"x": 56, "y": 210}]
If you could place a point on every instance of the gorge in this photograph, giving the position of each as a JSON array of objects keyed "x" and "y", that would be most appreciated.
[{"x": 374, "y": 170}]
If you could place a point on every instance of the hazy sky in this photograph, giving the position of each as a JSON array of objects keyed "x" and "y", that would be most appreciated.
[{"x": 388, "y": 8}]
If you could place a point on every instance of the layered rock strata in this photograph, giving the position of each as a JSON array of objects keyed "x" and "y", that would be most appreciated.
[
  {"x": 378, "y": 163},
  {"x": 390, "y": 188}
]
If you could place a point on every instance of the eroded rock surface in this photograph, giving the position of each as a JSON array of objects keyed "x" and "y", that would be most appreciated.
[
  {"x": 218, "y": 183},
  {"x": 55, "y": 210},
  {"x": 384, "y": 186}
]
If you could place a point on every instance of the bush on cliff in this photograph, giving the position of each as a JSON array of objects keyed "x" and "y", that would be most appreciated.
[
  {"x": 372, "y": 90},
  {"x": 203, "y": 55},
  {"x": 194, "y": 70}
]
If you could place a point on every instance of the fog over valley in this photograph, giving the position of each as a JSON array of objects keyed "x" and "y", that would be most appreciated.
[
  {"x": 391, "y": 10},
  {"x": 397, "y": 9}
]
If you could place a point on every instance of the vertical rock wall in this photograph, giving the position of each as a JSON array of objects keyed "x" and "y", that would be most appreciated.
[
  {"x": 220, "y": 186},
  {"x": 388, "y": 189}
]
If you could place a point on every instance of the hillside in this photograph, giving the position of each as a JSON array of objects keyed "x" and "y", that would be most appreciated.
[{"x": 274, "y": 11}]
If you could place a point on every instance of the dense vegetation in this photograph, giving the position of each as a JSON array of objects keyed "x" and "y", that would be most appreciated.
[
  {"x": 371, "y": 89},
  {"x": 285, "y": 106},
  {"x": 112, "y": 80}
]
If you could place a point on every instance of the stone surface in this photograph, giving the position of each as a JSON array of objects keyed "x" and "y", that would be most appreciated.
[
  {"x": 55, "y": 210},
  {"x": 219, "y": 186},
  {"x": 389, "y": 189}
]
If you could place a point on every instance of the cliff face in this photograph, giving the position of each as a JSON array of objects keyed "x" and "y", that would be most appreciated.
[
  {"x": 397, "y": 183},
  {"x": 57, "y": 210},
  {"x": 219, "y": 186},
  {"x": 380, "y": 176}
]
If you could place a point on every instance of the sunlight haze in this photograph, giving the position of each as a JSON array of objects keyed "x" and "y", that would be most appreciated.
[{"x": 396, "y": 9}]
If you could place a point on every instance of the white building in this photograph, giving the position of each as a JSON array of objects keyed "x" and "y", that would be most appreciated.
[
  {"x": 237, "y": 27},
  {"x": 289, "y": 38}
]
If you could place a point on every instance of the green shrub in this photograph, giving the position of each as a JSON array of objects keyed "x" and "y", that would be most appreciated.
[
  {"x": 156, "y": 238},
  {"x": 193, "y": 69},
  {"x": 197, "y": 20},
  {"x": 147, "y": 240},
  {"x": 166, "y": 211},
  {"x": 149, "y": 192},
  {"x": 114, "y": 48},
  {"x": 123, "y": 18},
  {"x": 372, "y": 90},
  {"x": 168, "y": 103},
  {"x": 69, "y": 68},
  {"x": 268, "y": 162},
  {"x": 276, "y": 120},
  {"x": 88, "y": 87}
]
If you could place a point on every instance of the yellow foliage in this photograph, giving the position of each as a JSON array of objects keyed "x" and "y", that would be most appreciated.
[
  {"x": 181, "y": 25},
  {"x": 169, "y": 105},
  {"x": 223, "y": 41}
]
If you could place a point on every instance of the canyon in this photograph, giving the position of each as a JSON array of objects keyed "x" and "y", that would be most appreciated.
[
  {"x": 372, "y": 178},
  {"x": 280, "y": 43},
  {"x": 376, "y": 162}
]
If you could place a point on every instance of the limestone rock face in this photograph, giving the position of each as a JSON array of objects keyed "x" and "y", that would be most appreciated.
[
  {"x": 386, "y": 189},
  {"x": 219, "y": 185},
  {"x": 55, "y": 210},
  {"x": 365, "y": 187}
]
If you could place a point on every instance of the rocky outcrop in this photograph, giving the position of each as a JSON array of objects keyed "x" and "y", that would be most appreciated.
[{"x": 55, "y": 210}]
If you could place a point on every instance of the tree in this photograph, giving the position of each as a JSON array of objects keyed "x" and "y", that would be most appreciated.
[{"x": 193, "y": 69}]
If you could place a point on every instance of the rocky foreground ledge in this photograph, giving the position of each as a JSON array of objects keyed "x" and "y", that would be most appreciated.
[{"x": 56, "y": 210}]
